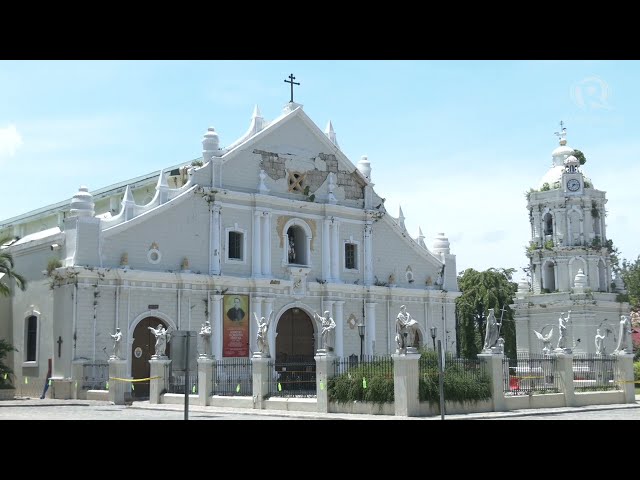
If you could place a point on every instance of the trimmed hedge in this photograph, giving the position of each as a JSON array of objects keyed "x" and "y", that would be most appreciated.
[{"x": 460, "y": 385}]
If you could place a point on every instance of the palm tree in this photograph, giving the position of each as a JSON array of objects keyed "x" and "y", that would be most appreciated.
[{"x": 6, "y": 269}]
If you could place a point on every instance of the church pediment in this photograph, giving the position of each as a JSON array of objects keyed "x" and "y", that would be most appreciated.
[{"x": 293, "y": 157}]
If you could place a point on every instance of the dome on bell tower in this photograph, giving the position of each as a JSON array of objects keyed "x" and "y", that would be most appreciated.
[{"x": 558, "y": 157}]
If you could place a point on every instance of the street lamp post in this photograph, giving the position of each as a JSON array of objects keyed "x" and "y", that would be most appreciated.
[
  {"x": 361, "y": 328},
  {"x": 434, "y": 332}
]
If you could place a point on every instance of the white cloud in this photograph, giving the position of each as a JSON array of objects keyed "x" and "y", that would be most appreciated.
[{"x": 10, "y": 141}]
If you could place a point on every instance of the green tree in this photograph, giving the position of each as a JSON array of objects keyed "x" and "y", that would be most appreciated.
[
  {"x": 630, "y": 273},
  {"x": 6, "y": 268},
  {"x": 580, "y": 156},
  {"x": 481, "y": 291}
]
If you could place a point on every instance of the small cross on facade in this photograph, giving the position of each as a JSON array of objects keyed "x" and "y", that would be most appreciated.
[
  {"x": 291, "y": 81},
  {"x": 59, "y": 342}
]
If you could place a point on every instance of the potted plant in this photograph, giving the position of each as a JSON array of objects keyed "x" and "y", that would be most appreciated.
[{"x": 7, "y": 390}]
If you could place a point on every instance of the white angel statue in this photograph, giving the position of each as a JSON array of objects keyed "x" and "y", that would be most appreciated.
[
  {"x": 546, "y": 340},
  {"x": 263, "y": 327}
]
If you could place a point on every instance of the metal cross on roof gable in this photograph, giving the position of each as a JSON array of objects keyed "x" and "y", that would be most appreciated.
[{"x": 291, "y": 81}]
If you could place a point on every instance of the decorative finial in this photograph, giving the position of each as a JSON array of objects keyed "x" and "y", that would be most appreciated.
[{"x": 562, "y": 134}]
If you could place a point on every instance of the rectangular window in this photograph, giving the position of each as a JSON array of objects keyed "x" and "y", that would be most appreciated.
[
  {"x": 235, "y": 245},
  {"x": 32, "y": 338},
  {"x": 350, "y": 256}
]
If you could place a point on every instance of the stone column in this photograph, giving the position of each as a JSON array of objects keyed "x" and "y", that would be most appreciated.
[
  {"x": 405, "y": 384},
  {"x": 117, "y": 388},
  {"x": 256, "y": 262},
  {"x": 493, "y": 367},
  {"x": 325, "y": 369},
  {"x": 326, "y": 251},
  {"x": 338, "y": 311},
  {"x": 216, "y": 244},
  {"x": 368, "y": 254},
  {"x": 262, "y": 374},
  {"x": 335, "y": 253},
  {"x": 205, "y": 376},
  {"x": 216, "y": 325},
  {"x": 624, "y": 376},
  {"x": 158, "y": 386},
  {"x": 265, "y": 244},
  {"x": 370, "y": 331},
  {"x": 564, "y": 371},
  {"x": 77, "y": 374}
]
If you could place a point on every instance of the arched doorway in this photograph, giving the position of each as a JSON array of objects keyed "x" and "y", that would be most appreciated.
[
  {"x": 143, "y": 347},
  {"x": 295, "y": 336},
  {"x": 295, "y": 348}
]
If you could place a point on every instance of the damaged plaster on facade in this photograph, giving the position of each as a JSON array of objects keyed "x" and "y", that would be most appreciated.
[{"x": 276, "y": 167}]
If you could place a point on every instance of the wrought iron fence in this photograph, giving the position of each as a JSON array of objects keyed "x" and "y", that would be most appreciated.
[
  {"x": 467, "y": 368},
  {"x": 293, "y": 377},
  {"x": 232, "y": 376},
  {"x": 593, "y": 372},
  {"x": 530, "y": 373},
  {"x": 95, "y": 376},
  {"x": 365, "y": 366},
  {"x": 177, "y": 380}
]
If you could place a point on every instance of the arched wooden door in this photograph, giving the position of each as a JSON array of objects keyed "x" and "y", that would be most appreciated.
[
  {"x": 294, "y": 336},
  {"x": 295, "y": 348},
  {"x": 144, "y": 345}
]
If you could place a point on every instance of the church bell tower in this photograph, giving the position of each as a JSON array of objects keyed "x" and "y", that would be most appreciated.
[
  {"x": 569, "y": 261},
  {"x": 568, "y": 230}
]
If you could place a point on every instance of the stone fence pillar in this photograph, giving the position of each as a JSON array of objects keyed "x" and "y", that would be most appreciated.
[
  {"x": 77, "y": 377},
  {"x": 158, "y": 386},
  {"x": 564, "y": 371},
  {"x": 205, "y": 376},
  {"x": 493, "y": 364},
  {"x": 405, "y": 384},
  {"x": 262, "y": 372},
  {"x": 325, "y": 369},
  {"x": 624, "y": 376},
  {"x": 117, "y": 388}
]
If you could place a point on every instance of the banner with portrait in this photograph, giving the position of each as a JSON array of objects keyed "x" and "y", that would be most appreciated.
[{"x": 235, "y": 326}]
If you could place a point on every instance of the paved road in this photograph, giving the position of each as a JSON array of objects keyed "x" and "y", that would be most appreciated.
[{"x": 35, "y": 409}]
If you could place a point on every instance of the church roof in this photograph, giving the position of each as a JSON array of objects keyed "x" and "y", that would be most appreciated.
[{"x": 49, "y": 232}]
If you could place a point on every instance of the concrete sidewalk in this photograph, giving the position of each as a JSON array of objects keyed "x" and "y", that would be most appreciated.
[{"x": 216, "y": 411}]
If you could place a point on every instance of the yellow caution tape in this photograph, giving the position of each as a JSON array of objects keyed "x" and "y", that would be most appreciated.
[{"x": 133, "y": 379}]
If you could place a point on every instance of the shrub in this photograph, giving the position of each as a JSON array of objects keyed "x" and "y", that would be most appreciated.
[
  {"x": 350, "y": 387},
  {"x": 5, "y": 371},
  {"x": 459, "y": 385}
]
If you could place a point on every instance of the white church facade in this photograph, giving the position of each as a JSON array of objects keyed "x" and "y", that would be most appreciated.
[
  {"x": 570, "y": 264},
  {"x": 280, "y": 220}
]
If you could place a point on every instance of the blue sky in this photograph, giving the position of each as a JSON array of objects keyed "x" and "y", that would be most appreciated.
[{"x": 456, "y": 144}]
